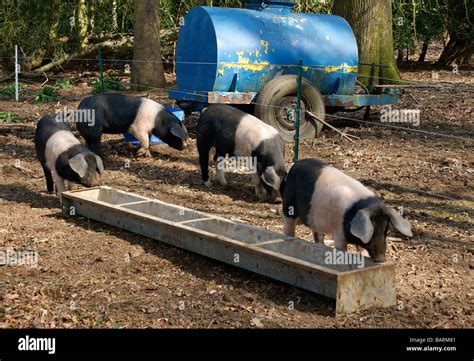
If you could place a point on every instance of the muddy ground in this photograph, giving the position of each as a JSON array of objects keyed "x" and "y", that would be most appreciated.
[{"x": 93, "y": 275}]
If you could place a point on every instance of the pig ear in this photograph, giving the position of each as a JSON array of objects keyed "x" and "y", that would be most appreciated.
[
  {"x": 362, "y": 227},
  {"x": 400, "y": 223},
  {"x": 100, "y": 164},
  {"x": 79, "y": 164},
  {"x": 271, "y": 178},
  {"x": 178, "y": 130}
]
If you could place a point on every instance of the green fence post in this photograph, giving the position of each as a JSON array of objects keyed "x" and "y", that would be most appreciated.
[
  {"x": 298, "y": 111},
  {"x": 99, "y": 50},
  {"x": 17, "y": 70}
]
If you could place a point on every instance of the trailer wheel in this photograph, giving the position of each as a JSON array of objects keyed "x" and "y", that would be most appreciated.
[{"x": 276, "y": 104}]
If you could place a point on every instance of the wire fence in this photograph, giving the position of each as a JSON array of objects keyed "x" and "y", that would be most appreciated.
[
  {"x": 243, "y": 64},
  {"x": 282, "y": 66},
  {"x": 29, "y": 95},
  {"x": 204, "y": 94},
  {"x": 336, "y": 117}
]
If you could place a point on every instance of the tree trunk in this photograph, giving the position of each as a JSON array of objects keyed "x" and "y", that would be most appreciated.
[
  {"x": 468, "y": 57},
  {"x": 114, "y": 16},
  {"x": 400, "y": 56},
  {"x": 81, "y": 23},
  {"x": 456, "y": 51},
  {"x": 424, "y": 50},
  {"x": 147, "y": 68},
  {"x": 92, "y": 16},
  {"x": 371, "y": 21}
]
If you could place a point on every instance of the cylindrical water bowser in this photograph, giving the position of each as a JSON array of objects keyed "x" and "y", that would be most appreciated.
[{"x": 230, "y": 55}]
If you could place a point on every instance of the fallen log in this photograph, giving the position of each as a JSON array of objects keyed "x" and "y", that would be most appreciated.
[{"x": 110, "y": 44}]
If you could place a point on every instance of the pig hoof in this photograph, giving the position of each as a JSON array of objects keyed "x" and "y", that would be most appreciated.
[
  {"x": 144, "y": 153},
  {"x": 208, "y": 184},
  {"x": 222, "y": 182}
]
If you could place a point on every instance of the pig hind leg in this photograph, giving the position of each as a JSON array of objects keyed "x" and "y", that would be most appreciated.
[
  {"x": 92, "y": 135},
  {"x": 220, "y": 175},
  {"x": 204, "y": 148},
  {"x": 49, "y": 178},
  {"x": 93, "y": 143}
]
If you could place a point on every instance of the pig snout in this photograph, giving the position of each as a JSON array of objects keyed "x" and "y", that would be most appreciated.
[
  {"x": 173, "y": 141},
  {"x": 183, "y": 145},
  {"x": 91, "y": 179},
  {"x": 266, "y": 194},
  {"x": 179, "y": 145},
  {"x": 274, "y": 196},
  {"x": 377, "y": 251},
  {"x": 91, "y": 182}
]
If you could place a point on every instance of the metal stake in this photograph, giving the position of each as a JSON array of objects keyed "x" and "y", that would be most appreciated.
[{"x": 298, "y": 111}]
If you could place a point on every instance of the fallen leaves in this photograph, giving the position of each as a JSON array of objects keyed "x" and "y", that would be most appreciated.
[{"x": 257, "y": 322}]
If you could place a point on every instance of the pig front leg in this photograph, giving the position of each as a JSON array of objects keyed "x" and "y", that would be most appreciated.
[
  {"x": 144, "y": 139},
  {"x": 290, "y": 226},
  {"x": 318, "y": 237},
  {"x": 339, "y": 241},
  {"x": 60, "y": 186},
  {"x": 260, "y": 190}
]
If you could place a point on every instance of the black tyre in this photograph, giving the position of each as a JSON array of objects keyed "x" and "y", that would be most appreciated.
[{"x": 276, "y": 104}]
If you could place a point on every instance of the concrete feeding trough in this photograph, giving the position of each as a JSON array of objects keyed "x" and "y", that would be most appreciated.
[{"x": 294, "y": 261}]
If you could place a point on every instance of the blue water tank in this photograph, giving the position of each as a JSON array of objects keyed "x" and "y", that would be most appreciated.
[{"x": 241, "y": 50}]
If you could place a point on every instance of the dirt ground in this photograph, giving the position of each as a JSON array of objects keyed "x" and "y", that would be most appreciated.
[{"x": 93, "y": 275}]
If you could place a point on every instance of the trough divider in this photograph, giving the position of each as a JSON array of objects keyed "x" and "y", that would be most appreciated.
[
  {"x": 196, "y": 220},
  {"x": 271, "y": 241},
  {"x": 132, "y": 203}
]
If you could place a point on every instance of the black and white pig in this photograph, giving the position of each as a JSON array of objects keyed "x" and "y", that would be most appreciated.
[
  {"x": 234, "y": 133},
  {"x": 328, "y": 201},
  {"x": 139, "y": 116},
  {"x": 63, "y": 157}
]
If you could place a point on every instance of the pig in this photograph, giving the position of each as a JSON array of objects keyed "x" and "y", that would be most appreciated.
[
  {"x": 139, "y": 116},
  {"x": 328, "y": 201},
  {"x": 63, "y": 157},
  {"x": 234, "y": 133}
]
